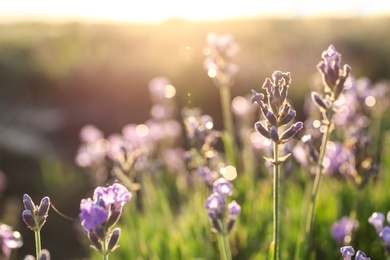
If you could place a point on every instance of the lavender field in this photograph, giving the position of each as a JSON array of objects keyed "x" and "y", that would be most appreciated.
[{"x": 237, "y": 139}]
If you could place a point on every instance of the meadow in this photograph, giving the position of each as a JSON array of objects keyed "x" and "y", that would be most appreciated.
[{"x": 90, "y": 105}]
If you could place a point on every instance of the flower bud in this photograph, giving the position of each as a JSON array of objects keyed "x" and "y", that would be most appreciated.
[
  {"x": 260, "y": 128},
  {"x": 287, "y": 119},
  {"x": 45, "y": 255},
  {"x": 347, "y": 252},
  {"x": 256, "y": 97},
  {"x": 28, "y": 218},
  {"x": 289, "y": 133},
  {"x": 112, "y": 243},
  {"x": 95, "y": 241},
  {"x": 28, "y": 203},
  {"x": 43, "y": 208},
  {"x": 100, "y": 232},
  {"x": 319, "y": 102},
  {"x": 273, "y": 132},
  {"x": 271, "y": 118},
  {"x": 114, "y": 216}
]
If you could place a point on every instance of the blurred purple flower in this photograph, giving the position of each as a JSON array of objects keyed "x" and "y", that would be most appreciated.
[
  {"x": 214, "y": 204},
  {"x": 90, "y": 133},
  {"x": 115, "y": 194},
  {"x": 338, "y": 160},
  {"x": 377, "y": 219},
  {"x": 223, "y": 187},
  {"x": 106, "y": 206},
  {"x": 360, "y": 255},
  {"x": 343, "y": 229},
  {"x": 384, "y": 234},
  {"x": 92, "y": 215},
  {"x": 160, "y": 88},
  {"x": 9, "y": 240},
  {"x": 347, "y": 252},
  {"x": 234, "y": 209}
]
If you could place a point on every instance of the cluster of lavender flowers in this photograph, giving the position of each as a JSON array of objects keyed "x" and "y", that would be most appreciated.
[
  {"x": 377, "y": 220},
  {"x": 347, "y": 252},
  {"x": 278, "y": 112},
  {"x": 219, "y": 51},
  {"x": 9, "y": 240},
  {"x": 100, "y": 214},
  {"x": 222, "y": 215}
]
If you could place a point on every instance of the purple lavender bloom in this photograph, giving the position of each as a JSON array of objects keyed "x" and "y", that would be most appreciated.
[
  {"x": 347, "y": 252},
  {"x": 385, "y": 235},
  {"x": 9, "y": 240},
  {"x": 116, "y": 195},
  {"x": 223, "y": 187},
  {"x": 360, "y": 255},
  {"x": 214, "y": 204},
  {"x": 343, "y": 229},
  {"x": 377, "y": 219},
  {"x": 338, "y": 160},
  {"x": 333, "y": 76},
  {"x": 234, "y": 209},
  {"x": 92, "y": 215}
]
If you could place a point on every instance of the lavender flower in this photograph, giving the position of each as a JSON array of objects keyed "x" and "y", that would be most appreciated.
[
  {"x": 220, "y": 50},
  {"x": 35, "y": 216},
  {"x": 384, "y": 234},
  {"x": 377, "y": 219},
  {"x": 360, "y": 255},
  {"x": 347, "y": 252},
  {"x": 9, "y": 240},
  {"x": 223, "y": 187},
  {"x": 44, "y": 255},
  {"x": 333, "y": 75},
  {"x": 343, "y": 229},
  {"x": 218, "y": 210},
  {"x": 277, "y": 111},
  {"x": 99, "y": 214}
]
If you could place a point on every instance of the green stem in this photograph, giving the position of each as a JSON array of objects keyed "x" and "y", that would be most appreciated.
[
  {"x": 104, "y": 253},
  {"x": 276, "y": 201},
  {"x": 317, "y": 181},
  {"x": 223, "y": 242},
  {"x": 37, "y": 243},
  {"x": 227, "y": 115}
]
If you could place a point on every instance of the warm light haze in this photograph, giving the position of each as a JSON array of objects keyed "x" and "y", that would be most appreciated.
[{"x": 155, "y": 11}]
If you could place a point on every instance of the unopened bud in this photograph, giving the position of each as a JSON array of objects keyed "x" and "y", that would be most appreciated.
[
  {"x": 28, "y": 218},
  {"x": 318, "y": 101},
  {"x": 271, "y": 118},
  {"x": 289, "y": 133},
  {"x": 100, "y": 232},
  {"x": 256, "y": 97},
  {"x": 28, "y": 203},
  {"x": 43, "y": 207},
  {"x": 287, "y": 119},
  {"x": 273, "y": 132},
  {"x": 260, "y": 128},
  {"x": 114, "y": 216},
  {"x": 45, "y": 255},
  {"x": 95, "y": 241},
  {"x": 112, "y": 243}
]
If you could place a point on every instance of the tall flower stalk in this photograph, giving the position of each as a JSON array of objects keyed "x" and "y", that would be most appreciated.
[
  {"x": 278, "y": 116},
  {"x": 222, "y": 215},
  {"x": 100, "y": 214},
  {"x": 35, "y": 217},
  {"x": 333, "y": 77},
  {"x": 220, "y": 51}
]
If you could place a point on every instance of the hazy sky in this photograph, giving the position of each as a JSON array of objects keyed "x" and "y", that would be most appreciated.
[{"x": 157, "y": 10}]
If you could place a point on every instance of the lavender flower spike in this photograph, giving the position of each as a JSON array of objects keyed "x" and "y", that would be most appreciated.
[
  {"x": 223, "y": 187},
  {"x": 360, "y": 255},
  {"x": 347, "y": 252},
  {"x": 377, "y": 219}
]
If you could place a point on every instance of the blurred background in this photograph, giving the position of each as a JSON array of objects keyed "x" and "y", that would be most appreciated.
[{"x": 67, "y": 64}]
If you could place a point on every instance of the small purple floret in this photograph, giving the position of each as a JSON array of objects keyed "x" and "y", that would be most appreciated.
[{"x": 91, "y": 215}]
